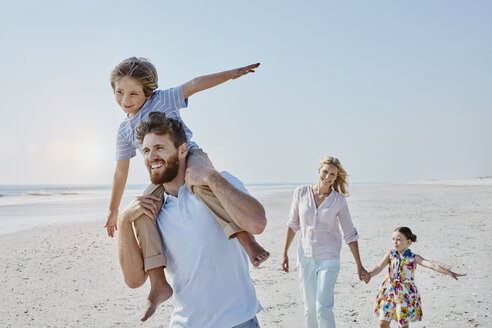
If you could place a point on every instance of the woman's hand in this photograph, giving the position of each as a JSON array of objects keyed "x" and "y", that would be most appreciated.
[
  {"x": 285, "y": 263},
  {"x": 363, "y": 274}
]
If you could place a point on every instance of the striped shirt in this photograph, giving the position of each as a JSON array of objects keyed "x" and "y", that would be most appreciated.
[
  {"x": 169, "y": 102},
  {"x": 320, "y": 227}
]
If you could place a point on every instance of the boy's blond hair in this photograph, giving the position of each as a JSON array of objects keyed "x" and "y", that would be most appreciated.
[
  {"x": 139, "y": 69},
  {"x": 340, "y": 185}
]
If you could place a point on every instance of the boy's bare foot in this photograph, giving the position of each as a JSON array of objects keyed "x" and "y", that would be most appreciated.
[
  {"x": 160, "y": 291},
  {"x": 256, "y": 253}
]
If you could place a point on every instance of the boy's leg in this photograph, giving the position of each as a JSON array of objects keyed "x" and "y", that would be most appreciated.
[
  {"x": 148, "y": 234},
  {"x": 154, "y": 259},
  {"x": 256, "y": 253}
]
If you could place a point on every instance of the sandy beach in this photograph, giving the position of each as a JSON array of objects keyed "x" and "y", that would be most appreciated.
[{"x": 69, "y": 276}]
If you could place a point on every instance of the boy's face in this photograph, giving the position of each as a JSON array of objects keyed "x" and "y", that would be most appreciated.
[{"x": 129, "y": 95}]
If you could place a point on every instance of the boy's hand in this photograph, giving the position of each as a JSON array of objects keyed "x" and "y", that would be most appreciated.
[
  {"x": 111, "y": 222},
  {"x": 238, "y": 72},
  {"x": 197, "y": 176}
]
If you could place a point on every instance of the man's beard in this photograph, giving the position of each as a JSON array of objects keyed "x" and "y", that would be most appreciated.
[{"x": 170, "y": 172}]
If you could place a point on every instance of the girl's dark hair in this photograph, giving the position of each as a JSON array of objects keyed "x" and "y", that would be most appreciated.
[{"x": 407, "y": 233}]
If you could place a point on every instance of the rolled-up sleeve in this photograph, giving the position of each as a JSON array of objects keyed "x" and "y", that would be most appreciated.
[
  {"x": 349, "y": 231},
  {"x": 293, "y": 221}
]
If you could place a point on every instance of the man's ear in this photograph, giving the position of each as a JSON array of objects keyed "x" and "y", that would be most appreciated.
[{"x": 183, "y": 150}]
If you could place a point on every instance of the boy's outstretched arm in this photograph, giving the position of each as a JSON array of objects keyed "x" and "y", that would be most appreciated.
[
  {"x": 119, "y": 182},
  {"x": 437, "y": 267},
  {"x": 208, "y": 81}
]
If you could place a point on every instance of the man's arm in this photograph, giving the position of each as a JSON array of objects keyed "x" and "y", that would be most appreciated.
[
  {"x": 208, "y": 81},
  {"x": 244, "y": 210},
  {"x": 129, "y": 252}
]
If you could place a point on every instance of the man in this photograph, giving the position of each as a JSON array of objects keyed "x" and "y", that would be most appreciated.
[{"x": 209, "y": 273}]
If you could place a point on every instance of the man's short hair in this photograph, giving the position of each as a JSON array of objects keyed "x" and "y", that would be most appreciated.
[{"x": 159, "y": 124}]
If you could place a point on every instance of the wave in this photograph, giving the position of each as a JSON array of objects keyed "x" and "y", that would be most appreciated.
[{"x": 40, "y": 193}]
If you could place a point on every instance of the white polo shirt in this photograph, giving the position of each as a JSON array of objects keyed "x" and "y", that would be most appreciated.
[{"x": 209, "y": 273}]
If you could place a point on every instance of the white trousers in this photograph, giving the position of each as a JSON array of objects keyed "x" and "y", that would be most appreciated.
[{"x": 318, "y": 278}]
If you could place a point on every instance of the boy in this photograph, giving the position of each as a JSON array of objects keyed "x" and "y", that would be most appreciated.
[{"x": 134, "y": 82}]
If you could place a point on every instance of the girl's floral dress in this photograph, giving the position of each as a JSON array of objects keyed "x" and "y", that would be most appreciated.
[{"x": 398, "y": 298}]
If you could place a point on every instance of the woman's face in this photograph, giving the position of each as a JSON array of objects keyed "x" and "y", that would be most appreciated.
[{"x": 327, "y": 175}]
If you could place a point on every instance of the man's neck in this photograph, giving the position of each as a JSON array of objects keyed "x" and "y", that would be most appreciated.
[{"x": 172, "y": 187}]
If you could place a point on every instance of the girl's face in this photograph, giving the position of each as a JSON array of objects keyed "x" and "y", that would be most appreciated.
[
  {"x": 129, "y": 95},
  {"x": 400, "y": 242},
  {"x": 327, "y": 175}
]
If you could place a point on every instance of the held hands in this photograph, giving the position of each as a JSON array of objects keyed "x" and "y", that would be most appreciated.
[
  {"x": 238, "y": 72},
  {"x": 363, "y": 274},
  {"x": 111, "y": 222},
  {"x": 141, "y": 205}
]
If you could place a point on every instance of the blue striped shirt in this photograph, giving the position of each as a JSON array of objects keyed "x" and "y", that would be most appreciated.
[{"x": 169, "y": 102}]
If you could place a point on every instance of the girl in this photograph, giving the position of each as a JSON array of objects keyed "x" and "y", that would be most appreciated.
[{"x": 398, "y": 298}]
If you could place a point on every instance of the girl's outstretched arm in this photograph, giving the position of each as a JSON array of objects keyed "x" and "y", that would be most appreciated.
[
  {"x": 208, "y": 81},
  {"x": 437, "y": 267},
  {"x": 381, "y": 265}
]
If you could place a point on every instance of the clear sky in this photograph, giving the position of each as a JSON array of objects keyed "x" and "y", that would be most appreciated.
[{"x": 398, "y": 90}]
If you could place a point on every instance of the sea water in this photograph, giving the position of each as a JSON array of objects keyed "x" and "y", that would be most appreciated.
[{"x": 25, "y": 207}]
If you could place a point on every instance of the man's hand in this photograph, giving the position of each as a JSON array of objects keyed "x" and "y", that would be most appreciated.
[
  {"x": 238, "y": 72},
  {"x": 197, "y": 176},
  {"x": 111, "y": 222},
  {"x": 141, "y": 205}
]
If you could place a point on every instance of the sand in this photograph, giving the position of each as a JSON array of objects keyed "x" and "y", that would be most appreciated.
[{"x": 70, "y": 277}]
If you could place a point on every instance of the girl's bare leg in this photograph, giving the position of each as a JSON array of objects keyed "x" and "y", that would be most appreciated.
[{"x": 384, "y": 324}]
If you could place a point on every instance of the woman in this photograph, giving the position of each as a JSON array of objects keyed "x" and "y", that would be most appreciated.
[{"x": 318, "y": 211}]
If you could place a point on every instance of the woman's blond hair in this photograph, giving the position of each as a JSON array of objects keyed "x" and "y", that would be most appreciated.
[{"x": 340, "y": 185}]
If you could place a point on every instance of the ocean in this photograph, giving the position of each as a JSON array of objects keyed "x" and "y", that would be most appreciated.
[{"x": 25, "y": 207}]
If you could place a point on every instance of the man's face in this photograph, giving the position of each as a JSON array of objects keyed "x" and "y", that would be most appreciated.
[{"x": 161, "y": 158}]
